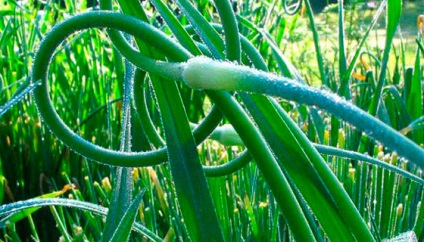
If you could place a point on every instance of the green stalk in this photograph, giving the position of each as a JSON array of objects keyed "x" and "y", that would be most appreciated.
[
  {"x": 140, "y": 30},
  {"x": 244, "y": 159},
  {"x": 414, "y": 101},
  {"x": 419, "y": 220},
  {"x": 342, "y": 52},
  {"x": 210, "y": 37},
  {"x": 60, "y": 225},
  {"x": 298, "y": 165},
  {"x": 122, "y": 190},
  {"x": 344, "y": 82},
  {"x": 387, "y": 201},
  {"x": 190, "y": 182},
  {"x": 33, "y": 228},
  {"x": 42, "y": 59},
  {"x": 141, "y": 109},
  {"x": 394, "y": 9},
  {"x": 231, "y": 77},
  {"x": 358, "y": 156},
  {"x": 229, "y": 167},
  {"x": 267, "y": 164},
  {"x": 285, "y": 137},
  {"x": 315, "y": 35},
  {"x": 84, "y": 206},
  {"x": 229, "y": 23},
  {"x": 176, "y": 28},
  {"x": 226, "y": 30}
]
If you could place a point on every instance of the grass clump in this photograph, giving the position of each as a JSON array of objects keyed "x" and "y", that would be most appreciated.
[{"x": 291, "y": 164}]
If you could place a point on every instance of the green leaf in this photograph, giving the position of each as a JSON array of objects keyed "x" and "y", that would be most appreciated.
[
  {"x": 394, "y": 10},
  {"x": 310, "y": 174},
  {"x": 414, "y": 102},
  {"x": 19, "y": 95},
  {"x": 122, "y": 191},
  {"x": 267, "y": 164},
  {"x": 122, "y": 231},
  {"x": 176, "y": 27},
  {"x": 187, "y": 173},
  {"x": 229, "y": 23},
  {"x": 286, "y": 67},
  {"x": 252, "y": 217},
  {"x": 318, "y": 52},
  {"x": 342, "y": 50},
  {"x": 17, "y": 207},
  {"x": 2, "y": 182},
  {"x": 208, "y": 34},
  {"x": 18, "y": 216}
]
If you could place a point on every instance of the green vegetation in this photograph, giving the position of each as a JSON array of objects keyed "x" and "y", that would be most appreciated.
[{"x": 210, "y": 121}]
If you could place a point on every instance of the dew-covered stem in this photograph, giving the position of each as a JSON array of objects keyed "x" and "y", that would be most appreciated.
[{"x": 231, "y": 77}]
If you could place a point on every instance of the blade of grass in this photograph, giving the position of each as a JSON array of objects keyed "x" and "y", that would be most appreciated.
[
  {"x": 3, "y": 182},
  {"x": 303, "y": 174},
  {"x": 189, "y": 179},
  {"x": 141, "y": 109},
  {"x": 342, "y": 50},
  {"x": 15, "y": 217},
  {"x": 419, "y": 222},
  {"x": 264, "y": 110},
  {"x": 60, "y": 225},
  {"x": 176, "y": 28},
  {"x": 229, "y": 23},
  {"x": 123, "y": 229},
  {"x": 402, "y": 118},
  {"x": 18, "y": 96},
  {"x": 267, "y": 164},
  {"x": 284, "y": 65},
  {"x": 394, "y": 10},
  {"x": 387, "y": 199},
  {"x": 414, "y": 102},
  {"x": 84, "y": 206},
  {"x": 215, "y": 94},
  {"x": 122, "y": 190},
  {"x": 318, "y": 52},
  {"x": 252, "y": 218},
  {"x": 207, "y": 33},
  {"x": 329, "y": 150}
]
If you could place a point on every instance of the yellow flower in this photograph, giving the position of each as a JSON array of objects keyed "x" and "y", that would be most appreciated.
[{"x": 420, "y": 22}]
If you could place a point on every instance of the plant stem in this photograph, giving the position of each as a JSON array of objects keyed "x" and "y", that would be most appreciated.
[{"x": 231, "y": 77}]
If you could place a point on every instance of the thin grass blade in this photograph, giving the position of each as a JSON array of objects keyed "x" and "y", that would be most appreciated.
[
  {"x": 122, "y": 231},
  {"x": 122, "y": 191},
  {"x": 414, "y": 102},
  {"x": 19, "y": 95},
  {"x": 15, "y": 217},
  {"x": 190, "y": 182},
  {"x": 208, "y": 34},
  {"x": 394, "y": 10}
]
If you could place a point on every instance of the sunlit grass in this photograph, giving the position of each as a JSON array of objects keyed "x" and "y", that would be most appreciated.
[{"x": 87, "y": 79}]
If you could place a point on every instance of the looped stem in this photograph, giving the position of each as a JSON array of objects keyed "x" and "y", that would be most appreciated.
[
  {"x": 131, "y": 25},
  {"x": 102, "y": 19}
]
